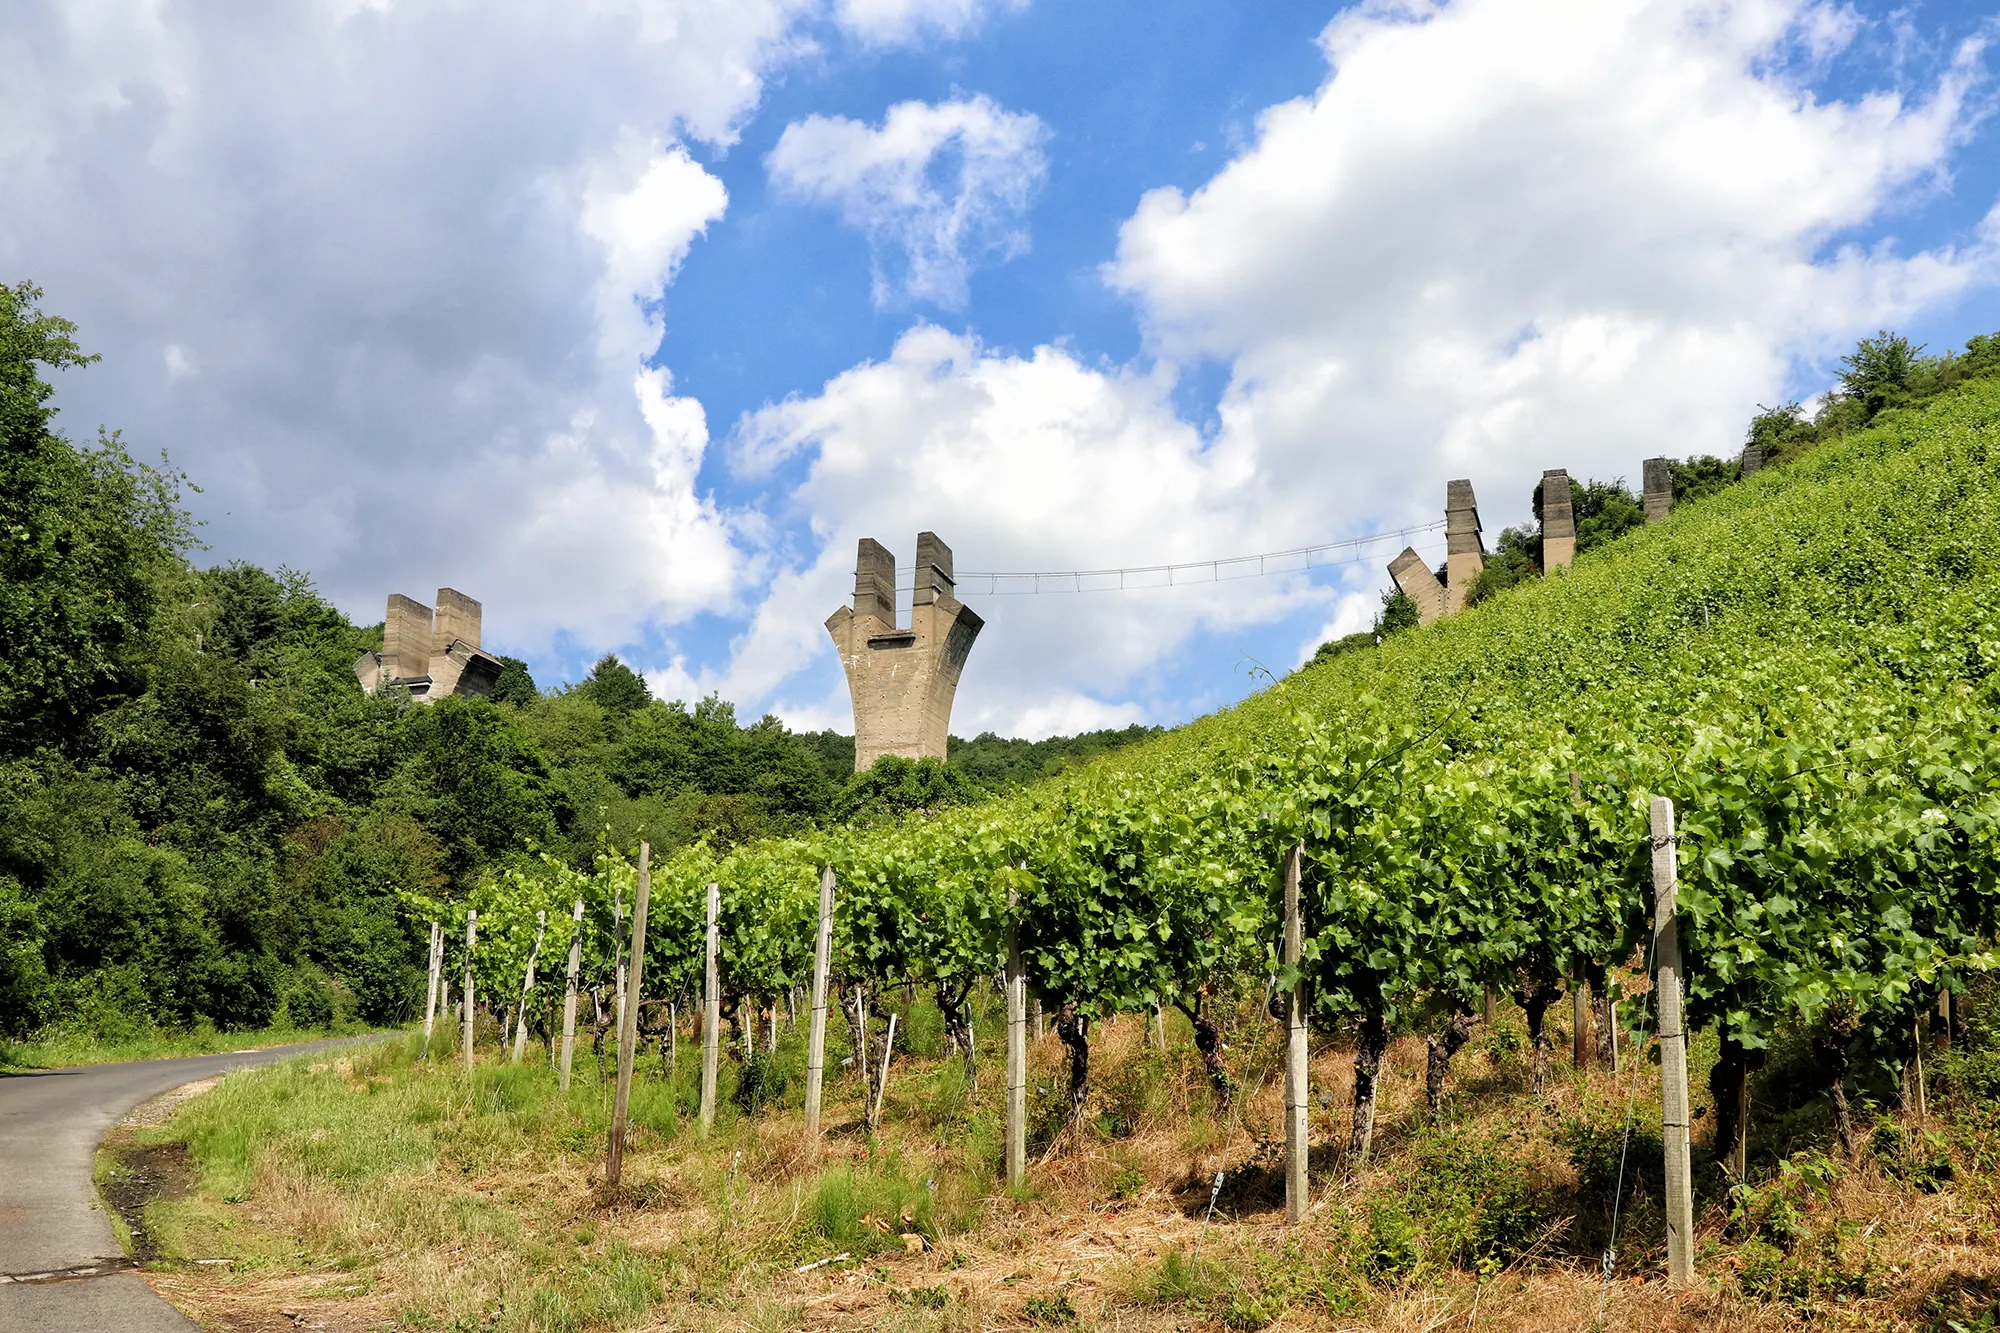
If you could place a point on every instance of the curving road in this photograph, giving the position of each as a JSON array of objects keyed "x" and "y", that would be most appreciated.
[{"x": 61, "y": 1268}]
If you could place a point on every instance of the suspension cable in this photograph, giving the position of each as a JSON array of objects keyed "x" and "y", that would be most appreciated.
[{"x": 1299, "y": 559}]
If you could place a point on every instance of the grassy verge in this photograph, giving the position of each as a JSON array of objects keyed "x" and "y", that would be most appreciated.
[
  {"x": 378, "y": 1191},
  {"x": 57, "y": 1048}
]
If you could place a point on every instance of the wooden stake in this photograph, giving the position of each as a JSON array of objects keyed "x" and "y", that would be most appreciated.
[
  {"x": 772, "y": 1043},
  {"x": 1297, "y": 1095},
  {"x": 628, "y": 1027},
  {"x": 882, "y": 1081},
  {"x": 1492, "y": 1007},
  {"x": 1917, "y": 1040},
  {"x": 1036, "y": 1005},
  {"x": 1582, "y": 1038},
  {"x": 434, "y": 984},
  {"x": 471, "y": 938},
  {"x": 1017, "y": 1055},
  {"x": 528, "y": 987},
  {"x": 816, "y": 1028},
  {"x": 861, "y": 1028},
  {"x": 569, "y": 989},
  {"x": 1673, "y": 1049},
  {"x": 673, "y": 1034},
  {"x": 711, "y": 1016}
]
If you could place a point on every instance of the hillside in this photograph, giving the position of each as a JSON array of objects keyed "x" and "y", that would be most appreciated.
[{"x": 1805, "y": 662}]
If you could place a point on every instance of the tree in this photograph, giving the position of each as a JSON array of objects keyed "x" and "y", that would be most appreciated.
[
  {"x": 88, "y": 533},
  {"x": 515, "y": 685},
  {"x": 896, "y": 786},
  {"x": 1878, "y": 371},
  {"x": 616, "y": 687}
]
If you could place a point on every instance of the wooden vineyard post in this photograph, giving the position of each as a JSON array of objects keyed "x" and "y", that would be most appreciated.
[
  {"x": 527, "y": 989},
  {"x": 1297, "y": 1095},
  {"x": 773, "y": 1033},
  {"x": 673, "y": 1035},
  {"x": 569, "y": 989},
  {"x": 882, "y": 1080},
  {"x": 861, "y": 1032},
  {"x": 1583, "y": 1029},
  {"x": 1035, "y": 1007},
  {"x": 628, "y": 1027},
  {"x": 434, "y": 984},
  {"x": 1017, "y": 1055},
  {"x": 816, "y": 1027},
  {"x": 471, "y": 938},
  {"x": 1673, "y": 1049},
  {"x": 711, "y": 1013}
]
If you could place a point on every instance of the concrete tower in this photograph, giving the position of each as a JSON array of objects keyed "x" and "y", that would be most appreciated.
[
  {"x": 1465, "y": 556},
  {"x": 1416, "y": 582},
  {"x": 1558, "y": 521},
  {"x": 430, "y": 657},
  {"x": 1659, "y": 488},
  {"x": 902, "y": 681}
]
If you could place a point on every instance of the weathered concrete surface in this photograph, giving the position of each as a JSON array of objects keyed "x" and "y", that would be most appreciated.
[
  {"x": 1465, "y": 555},
  {"x": 902, "y": 681},
  {"x": 51, "y": 1221},
  {"x": 1558, "y": 521},
  {"x": 1417, "y": 583},
  {"x": 1754, "y": 458},
  {"x": 430, "y": 657},
  {"x": 1659, "y": 497}
]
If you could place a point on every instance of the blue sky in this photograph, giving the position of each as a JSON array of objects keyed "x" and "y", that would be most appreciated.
[{"x": 630, "y": 319}]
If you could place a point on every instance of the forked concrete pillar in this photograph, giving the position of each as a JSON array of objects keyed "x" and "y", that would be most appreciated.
[
  {"x": 1414, "y": 579},
  {"x": 1660, "y": 487},
  {"x": 406, "y": 638},
  {"x": 902, "y": 681},
  {"x": 1558, "y": 521},
  {"x": 1465, "y": 557}
]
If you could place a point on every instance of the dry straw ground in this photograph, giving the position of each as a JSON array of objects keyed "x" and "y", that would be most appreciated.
[{"x": 381, "y": 1193}]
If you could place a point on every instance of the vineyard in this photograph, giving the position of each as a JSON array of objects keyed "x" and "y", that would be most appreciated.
[{"x": 1803, "y": 664}]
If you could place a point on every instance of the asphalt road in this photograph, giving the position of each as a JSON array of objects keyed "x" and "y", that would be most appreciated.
[{"x": 54, "y": 1232}]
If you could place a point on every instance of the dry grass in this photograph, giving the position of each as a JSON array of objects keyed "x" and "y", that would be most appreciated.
[{"x": 380, "y": 1193}]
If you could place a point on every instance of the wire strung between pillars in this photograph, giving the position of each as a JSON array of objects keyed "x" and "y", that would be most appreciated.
[{"x": 1300, "y": 559}]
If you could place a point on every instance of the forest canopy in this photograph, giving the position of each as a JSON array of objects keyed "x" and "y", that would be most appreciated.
[{"x": 205, "y": 820}]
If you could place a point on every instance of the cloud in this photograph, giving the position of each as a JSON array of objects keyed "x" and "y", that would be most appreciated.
[
  {"x": 935, "y": 188},
  {"x": 1499, "y": 237},
  {"x": 901, "y": 22},
  {"x": 1508, "y": 236},
  {"x": 384, "y": 279},
  {"x": 1035, "y": 462}
]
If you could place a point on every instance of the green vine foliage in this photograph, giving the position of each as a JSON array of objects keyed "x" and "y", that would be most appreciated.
[{"x": 1804, "y": 662}]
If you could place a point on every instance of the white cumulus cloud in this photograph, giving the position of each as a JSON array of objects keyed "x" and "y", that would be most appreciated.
[
  {"x": 1500, "y": 236},
  {"x": 936, "y": 187}
]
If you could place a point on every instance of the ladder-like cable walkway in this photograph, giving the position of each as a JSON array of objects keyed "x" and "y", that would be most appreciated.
[{"x": 1348, "y": 551}]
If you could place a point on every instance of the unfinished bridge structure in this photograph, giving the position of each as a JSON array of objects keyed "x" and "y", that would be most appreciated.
[{"x": 902, "y": 680}]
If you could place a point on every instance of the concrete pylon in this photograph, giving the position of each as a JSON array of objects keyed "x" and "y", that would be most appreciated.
[
  {"x": 1416, "y": 582},
  {"x": 902, "y": 681},
  {"x": 1558, "y": 521},
  {"x": 1465, "y": 556},
  {"x": 1659, "y": 497},
  {"x": 1754, "y": 458}
]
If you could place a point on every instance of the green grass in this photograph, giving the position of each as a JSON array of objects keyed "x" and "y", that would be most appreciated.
[{"x": 58, "y": 1048}]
